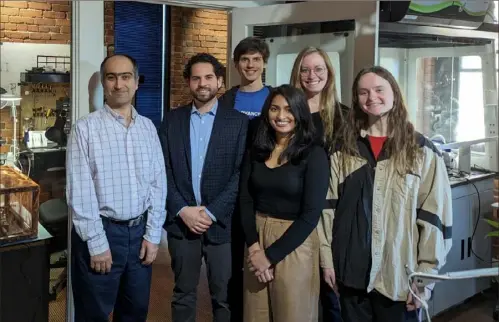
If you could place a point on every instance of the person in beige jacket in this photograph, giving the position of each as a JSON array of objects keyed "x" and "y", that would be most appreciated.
[{"x": 388, "y": 205}]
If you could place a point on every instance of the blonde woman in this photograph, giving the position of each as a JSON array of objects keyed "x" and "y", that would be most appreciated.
[
  {"x": 390, "y": 204},
  {"x": 314, "y": 74}
]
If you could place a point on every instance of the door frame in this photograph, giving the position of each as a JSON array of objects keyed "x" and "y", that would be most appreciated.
[{"x": 366, "y": 16}]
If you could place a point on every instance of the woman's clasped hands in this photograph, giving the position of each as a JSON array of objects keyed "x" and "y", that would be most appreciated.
[{"x": 259, "y": 264}]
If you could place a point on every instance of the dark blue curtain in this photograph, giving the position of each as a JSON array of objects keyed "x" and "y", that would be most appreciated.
[{"x": 138, "y": 32}]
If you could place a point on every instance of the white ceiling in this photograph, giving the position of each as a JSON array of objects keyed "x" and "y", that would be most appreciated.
[{"x": 214, "y": 4}]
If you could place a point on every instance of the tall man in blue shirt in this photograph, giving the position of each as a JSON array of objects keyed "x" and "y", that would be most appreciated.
[
  {"x": 203, "y": 144},
  {"x": 250, "y": 57}
]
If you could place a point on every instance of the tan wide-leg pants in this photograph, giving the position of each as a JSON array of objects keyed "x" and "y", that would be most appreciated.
[{"x": 293, "y": 295}]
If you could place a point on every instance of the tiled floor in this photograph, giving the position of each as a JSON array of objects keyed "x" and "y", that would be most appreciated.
[{"x": 478, "y": 309}]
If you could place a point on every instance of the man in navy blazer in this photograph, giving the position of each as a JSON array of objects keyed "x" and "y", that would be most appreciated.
[{"x": 203, "y": 144}]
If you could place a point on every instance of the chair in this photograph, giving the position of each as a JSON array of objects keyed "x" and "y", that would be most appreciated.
[{"x": 53, "y": 215}]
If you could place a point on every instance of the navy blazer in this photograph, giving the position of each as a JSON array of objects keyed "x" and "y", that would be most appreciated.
[{"x": 220, "y": 178}]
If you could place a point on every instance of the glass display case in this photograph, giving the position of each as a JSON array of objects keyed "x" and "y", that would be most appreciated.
[{"x": 19, "y": 201}]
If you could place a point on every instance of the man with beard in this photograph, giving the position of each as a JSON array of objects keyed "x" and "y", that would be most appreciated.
[{"x": 203, "y": 144}]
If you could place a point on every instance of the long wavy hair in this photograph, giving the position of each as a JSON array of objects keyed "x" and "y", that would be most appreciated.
[
  {"x": 330, "y": 112},
  {"x": 401, "y": 144},
  {"x": 301, "y": 138}
]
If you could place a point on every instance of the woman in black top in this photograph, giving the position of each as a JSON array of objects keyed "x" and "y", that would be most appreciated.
[
  {"x": 283, "y": 187},
  {"x": 314, "y": 74}
]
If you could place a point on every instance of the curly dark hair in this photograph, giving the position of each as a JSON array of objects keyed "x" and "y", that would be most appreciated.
[{"x": 218, "y": 67}]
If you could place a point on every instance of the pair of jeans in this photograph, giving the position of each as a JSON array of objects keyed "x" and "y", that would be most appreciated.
[{"x": 124, "y": 290}]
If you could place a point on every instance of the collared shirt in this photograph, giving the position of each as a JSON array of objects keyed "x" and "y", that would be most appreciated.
[
  {"x": 114, "y": 171},
  {"x": 201, "y": 127}
]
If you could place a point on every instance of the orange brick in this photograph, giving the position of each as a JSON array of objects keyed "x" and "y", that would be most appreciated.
[
  {"x": 59, "y": 37},
  {"x": 10, "y": 11},
  {"x": 10, "y": 26},
  {"x": 43, "y": 28},
  {"x": 15, "y": 4},
  {"x": 39, "y": 35},
  {"x": 65, "y": 29},
  {"x": 45, "y": 21},
  {"x": 63, "y": 22},
  {"x": 17, "y": 35},
  {"x": 32, "y": 13},
  {"x": 32, "y": 27},
  {"x": 39, "y": 5},
  {"x": 17, "y": 19},
  {"x": 22, "y": 27},
  {"x": 54, "y": 15},
  {"x": 60, "y": 7}
]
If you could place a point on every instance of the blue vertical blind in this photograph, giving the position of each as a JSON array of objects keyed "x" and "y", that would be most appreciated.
[{"x": 138, "y": 32}]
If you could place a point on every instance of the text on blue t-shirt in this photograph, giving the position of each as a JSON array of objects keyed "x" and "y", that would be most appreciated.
[{"x": 251, "y": 103}]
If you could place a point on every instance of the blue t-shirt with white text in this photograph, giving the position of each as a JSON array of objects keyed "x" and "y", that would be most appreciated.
[{"x": 251, "y": 103}]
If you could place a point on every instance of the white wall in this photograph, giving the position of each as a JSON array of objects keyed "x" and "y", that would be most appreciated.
[
  {"x": 395, "y": 61},
  {"x": 18, "y": 57},
  {"x": 88, "y": 52},
  {"x": 212, "y": 4}
]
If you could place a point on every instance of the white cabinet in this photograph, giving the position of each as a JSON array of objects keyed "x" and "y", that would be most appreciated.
[
  {"x": 449, "y": 293},
  {"x": 482, "y": 247},
  {"x": 465, "y": 208}
]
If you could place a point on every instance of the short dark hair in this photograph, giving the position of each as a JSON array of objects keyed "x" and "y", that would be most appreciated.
[
  {"x": 304, "y": 132},
  {"x": 218, "y": 68},
  {"x": 251, "y": 45},
  {"x": 130, "y": 58}
]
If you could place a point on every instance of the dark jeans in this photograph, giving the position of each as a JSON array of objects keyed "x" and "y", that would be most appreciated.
[
  {"x": 125, "y": 289},
  {"x": 358, "y": 305},
  {"x": 186, "y": 256},
  {"x": 330, "y": 304}
]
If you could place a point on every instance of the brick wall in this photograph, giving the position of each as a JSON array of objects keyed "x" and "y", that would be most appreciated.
[
  {"x": 6, "y": 129},
  {"x": 194, "y": 31},
  {"x": 109, "y": 23},
  {"x": 35, "y": 22},
  {"x": 47, "y": 22}
]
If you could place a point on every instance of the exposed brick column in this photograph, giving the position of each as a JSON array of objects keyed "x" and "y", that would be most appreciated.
[
  {"x": 35, "y": 22},
  {"x": 194, "y": 31},
  {"x": 109, "y": 25}
]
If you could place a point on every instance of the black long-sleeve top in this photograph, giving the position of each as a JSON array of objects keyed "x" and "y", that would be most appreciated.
[
  {"x": 341, "y": 111},
  {"x": 293, "y": 191}
]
